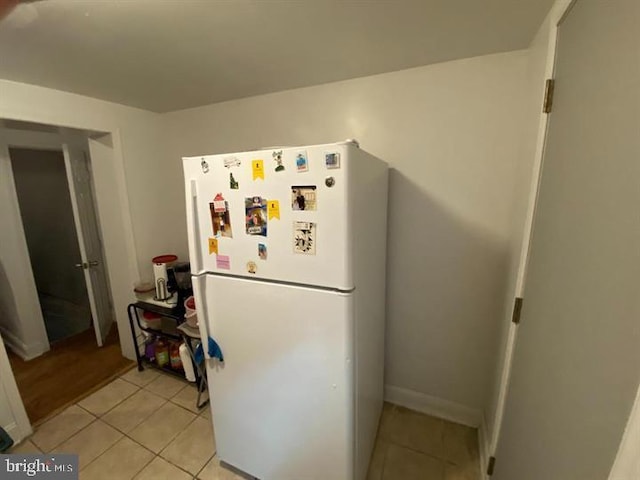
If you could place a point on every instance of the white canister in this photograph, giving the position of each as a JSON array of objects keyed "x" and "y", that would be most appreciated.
[
  {"x": 160, "y": 276},
  {"x": 187, "y": 364}
]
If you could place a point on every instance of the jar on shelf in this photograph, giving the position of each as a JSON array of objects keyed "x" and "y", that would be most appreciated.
[
  {"x": 162, "y": 352},
  {"x": 152, "y": 320}
]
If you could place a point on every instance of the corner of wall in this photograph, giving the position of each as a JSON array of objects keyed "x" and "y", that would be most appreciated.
[
  {"x": 20, "y": 348},
  {"x": 434, "y": 406}
]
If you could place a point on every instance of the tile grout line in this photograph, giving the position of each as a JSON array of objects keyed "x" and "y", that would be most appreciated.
[
  {"x": 173, "y": 437},
  {"x": 426, "y": 454},
  {"x": 119, "y": 440},
  {"x": 30, "y": 438},
  {"x": 189, "y": 473},
  {"x": 145, "y": 418},
  {"x": 145, "y": 465},
  {"x": 95, "y": 419},
  {"x": 117, "y": 404},
  {"x": 172, "y": 440},
  {"x": 99, "y": 417},
  {"x": 76, "y": 433},
  {"x": 445, "y": 461},
  {"x": 170, "y": 399},
  {"x": 137, "y": 424}
]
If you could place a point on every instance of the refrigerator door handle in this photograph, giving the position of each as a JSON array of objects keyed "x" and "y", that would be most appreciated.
[
  {"x": 196, "y": 260},
  {"x": 199, "y": 294}
]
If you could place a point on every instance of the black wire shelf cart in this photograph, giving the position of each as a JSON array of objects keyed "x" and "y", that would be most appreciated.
[{"x": 171, "y": 320}]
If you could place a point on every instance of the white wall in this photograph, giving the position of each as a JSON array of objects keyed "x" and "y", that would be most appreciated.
[
  {"x": 21, "y": 321},
  {"x": 130, "y": 179},
  {"x": 451, "y": 134}
]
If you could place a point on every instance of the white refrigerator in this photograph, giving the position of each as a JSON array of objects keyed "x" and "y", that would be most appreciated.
[{"x": 287, "y": 249}]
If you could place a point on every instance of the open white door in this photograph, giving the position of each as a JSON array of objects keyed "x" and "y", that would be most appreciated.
[{"x": 76, "y": 161}]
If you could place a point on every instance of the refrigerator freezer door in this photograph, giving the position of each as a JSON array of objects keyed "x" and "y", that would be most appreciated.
[
  {"x": 230, "y": 234},
  {"x": 283, "y": 402}
]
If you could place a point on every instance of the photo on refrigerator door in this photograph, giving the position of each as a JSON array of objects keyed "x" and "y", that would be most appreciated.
[
  {"x": 303, "y": 197},
  {"x": 220, "y": 217},
  {"x": 332, "y": 160},
  {"x": 302, "y": 163},
  {"x": 256, "y": 216},
  {"x": 304, "y": 238}
]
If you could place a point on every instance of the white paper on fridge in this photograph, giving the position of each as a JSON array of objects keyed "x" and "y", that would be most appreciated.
[{"x": 304, "y": 238}]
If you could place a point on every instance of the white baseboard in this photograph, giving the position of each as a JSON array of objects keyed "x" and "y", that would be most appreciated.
[
  {"x": 437, "y": 407},
  {"x": 17, "y": 346},
  {"x": 14, "y": 432},
  {"x": 454, "y": 412},
  {"x": 484, "y": 447}
]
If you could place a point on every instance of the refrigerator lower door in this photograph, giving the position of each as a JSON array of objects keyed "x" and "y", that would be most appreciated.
[{"x": 283, "y": 401}]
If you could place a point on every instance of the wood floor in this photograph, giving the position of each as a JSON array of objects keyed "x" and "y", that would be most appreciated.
[{"x": 72, "y": 369}]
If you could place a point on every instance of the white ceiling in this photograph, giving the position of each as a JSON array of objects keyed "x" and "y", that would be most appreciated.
[{"x": 165, "y": 55}]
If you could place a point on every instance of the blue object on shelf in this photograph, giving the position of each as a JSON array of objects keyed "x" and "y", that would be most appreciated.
[
  {"x": 214, "y": 351},
  {"x": 6, "y": 442}
]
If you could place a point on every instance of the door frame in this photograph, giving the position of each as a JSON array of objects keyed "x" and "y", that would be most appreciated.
[
  {"x": 112, "y": 209},
  {"x": 626, "y": 459},
  {"x": 21, "y": 427},
  {"x": 553, "y": 19},
  {"x": 112, "y": 197},
  {"x": 24, "y": 288},
  {"x": 114, "y": 219},
  {"x": 52, "y": 142}
]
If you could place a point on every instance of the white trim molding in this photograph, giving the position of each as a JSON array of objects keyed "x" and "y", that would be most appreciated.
[
  {"x": 24, "y": 351},
  {"x": 20, "y": 427},
  {"x": 551, "y": 22},
  {"x": 434, "y": 406},
  {"x": 484, "y": 448},
  {"x": 627, "y": 463},
  {"x": 447, "y": 410}
]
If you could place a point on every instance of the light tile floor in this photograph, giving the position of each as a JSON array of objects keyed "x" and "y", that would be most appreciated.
[{"x": 145, "y": 426}]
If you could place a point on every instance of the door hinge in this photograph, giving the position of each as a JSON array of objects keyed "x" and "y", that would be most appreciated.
[
  {"x": 517, "y": 309},
  {"x": 548, "y": 95},
  {"x": 491, "y": 466}
]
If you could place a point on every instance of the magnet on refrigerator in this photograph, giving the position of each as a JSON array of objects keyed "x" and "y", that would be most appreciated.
[
  {"x": 255, "y": 216},
  {"x": 257, "y": 167},
  {"x": 277, "y": 157},
  {"x": 302, "y": 162},
  {"x": 220, "y": 217}
]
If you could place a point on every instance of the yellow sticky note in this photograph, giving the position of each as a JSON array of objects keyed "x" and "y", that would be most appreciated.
[
  {"x": 258, "y": 169},
  {"x": 273, "y": 207},
  {"x": 213, "y": 246}
]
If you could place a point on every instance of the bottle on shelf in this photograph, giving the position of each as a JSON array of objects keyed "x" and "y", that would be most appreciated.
[
  {"x": 150, "y": 348},
  {"x": 162, "y": 352},
  {"x": 174, "y": 356}
]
